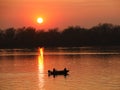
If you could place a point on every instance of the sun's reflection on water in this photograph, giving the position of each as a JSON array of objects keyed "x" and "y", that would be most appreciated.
[{"x": 40, "y": 68}]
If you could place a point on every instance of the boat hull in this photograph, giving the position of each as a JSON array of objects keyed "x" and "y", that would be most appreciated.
[{"x": 56, "y": 72}]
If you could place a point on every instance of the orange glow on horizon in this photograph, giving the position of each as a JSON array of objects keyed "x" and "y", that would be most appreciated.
[{"x": 59, "y": 13}]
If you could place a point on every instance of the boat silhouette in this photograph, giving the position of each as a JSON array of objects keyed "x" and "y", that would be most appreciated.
[{"x": 58, "y": 72}]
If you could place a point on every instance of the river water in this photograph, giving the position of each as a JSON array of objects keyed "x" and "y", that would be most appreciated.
[{"x": 90, "y": 68}]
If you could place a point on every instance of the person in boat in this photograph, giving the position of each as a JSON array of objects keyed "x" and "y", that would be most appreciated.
[
  {"x": 65, "y": 69},
  {"x": 54, "y": 70},
  {"x": 58, "y": 72}
]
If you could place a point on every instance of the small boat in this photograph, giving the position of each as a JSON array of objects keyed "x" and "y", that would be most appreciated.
[{"x": 58, "y": 72}]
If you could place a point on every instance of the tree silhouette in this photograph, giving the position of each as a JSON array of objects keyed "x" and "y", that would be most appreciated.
[
  {"x": 99, "y": 35},
  {"x": 9, "y": 36}
]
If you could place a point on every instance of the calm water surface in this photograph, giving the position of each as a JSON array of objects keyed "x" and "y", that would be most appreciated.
[{"x": 90, "y": 69}]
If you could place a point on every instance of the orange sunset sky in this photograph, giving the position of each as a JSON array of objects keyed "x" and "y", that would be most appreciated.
[{"x": 58, "y": 13}]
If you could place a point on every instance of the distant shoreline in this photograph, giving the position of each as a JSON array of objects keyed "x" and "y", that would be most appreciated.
[
  {"x": 80, "y": 47},
  {"x": 102, "y": 35}
]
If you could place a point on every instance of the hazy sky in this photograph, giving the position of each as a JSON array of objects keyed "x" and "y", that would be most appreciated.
[{"x": 58, "y": 13}]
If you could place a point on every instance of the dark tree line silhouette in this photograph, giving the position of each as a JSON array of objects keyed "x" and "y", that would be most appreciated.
[{"x": 100, "y": 35}]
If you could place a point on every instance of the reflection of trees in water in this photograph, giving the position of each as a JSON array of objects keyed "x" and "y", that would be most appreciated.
[{"x": 101, "y": 35}]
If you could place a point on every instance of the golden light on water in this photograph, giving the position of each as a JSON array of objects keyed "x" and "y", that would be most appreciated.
[
  {"x": 40, "y": 60},
  {"x": 40, "y": 67},
  {"x": 40, "y": 56}
]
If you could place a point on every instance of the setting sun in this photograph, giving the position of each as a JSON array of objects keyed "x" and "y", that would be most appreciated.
[{"x": 39, "y": 20}]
